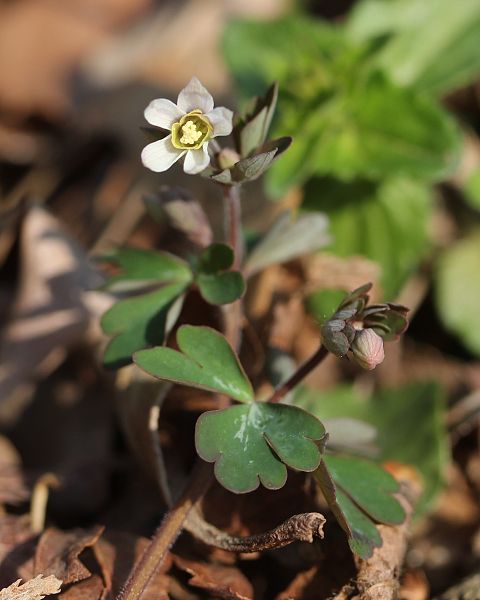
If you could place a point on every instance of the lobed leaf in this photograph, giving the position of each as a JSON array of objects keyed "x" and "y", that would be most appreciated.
[
  {"x": 205, "y": 361},
  {"x": 216, "y": 284},
  {"x": 254, "y": 443},
  {"x": 145, "y": 267},
  {"x": 137, "y": 323}
]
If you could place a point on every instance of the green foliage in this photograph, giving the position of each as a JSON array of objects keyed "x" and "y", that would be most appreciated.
[
  {"x": 369, "y": 486},
  {"x": 205, "y": 361},
  {"x": 217, "y": 284},
  {"x": 288, "y": 238},
  {"x": 137, "y": 323},
  {"x": 409, "y": 421},
  {"x": 432, "y": 46},
  {"x": 359, "y": 494},
  {"x": 323, "y": 303},
  {"x": 457, "y": 290},
  {"x": 385, "y": 221},
  {"x": 348, "y": 120},
  {"x": 363, "y": 536},
  {"x": 141, "y": 321},
  {"x": 140, "y": 268},
  {"x": 254, "y": 443}
]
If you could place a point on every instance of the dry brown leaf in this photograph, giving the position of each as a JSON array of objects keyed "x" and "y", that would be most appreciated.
[
  {"x": 116, "y": 553},
  {"x": 87, "y": 589},
  {"x": 34, "y": 589},
  {"x": 218, "y": 580},
  {"x": 58, "y": 551}
]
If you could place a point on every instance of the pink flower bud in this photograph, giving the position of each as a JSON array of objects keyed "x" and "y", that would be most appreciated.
[{"x": 367, "y": 349}]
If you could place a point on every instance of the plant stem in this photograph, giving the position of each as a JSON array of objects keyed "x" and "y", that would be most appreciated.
[
  {"x": 202, "y": 477},
  {"x": 299, "y": 375},
  {"x": 166, "y": 534},
  {"x": 233, "y": 222}
]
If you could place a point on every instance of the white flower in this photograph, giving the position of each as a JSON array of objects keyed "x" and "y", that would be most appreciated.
[{"x": 193, "y": 122}]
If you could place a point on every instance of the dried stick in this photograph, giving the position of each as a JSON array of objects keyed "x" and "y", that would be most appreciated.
[{"x": 303, "y": 527}]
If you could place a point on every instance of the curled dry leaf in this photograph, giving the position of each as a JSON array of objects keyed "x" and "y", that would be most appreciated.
[
  {"x": 220, "y": 581},
  {"x": 58, "y": 553},
  {"x": 34, "y": 589}
]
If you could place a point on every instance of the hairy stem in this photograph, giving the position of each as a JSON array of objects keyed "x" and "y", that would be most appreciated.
[
  {"x": 166, "y": 534},
  {"x": 299, "y": 375},
  {"x": 202, "y": 478},
  {"x": 233, "y": 222}
]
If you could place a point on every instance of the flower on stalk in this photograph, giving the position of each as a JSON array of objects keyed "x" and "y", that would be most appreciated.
[
  {"x": 361, "y": 328},
  {"x": 193, "y": 122}
]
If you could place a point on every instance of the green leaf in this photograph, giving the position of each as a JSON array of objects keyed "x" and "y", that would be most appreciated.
[
  {"x": 432, "y": 45},
  {"x": 143, "y": 267},
  {"x": 217, "y": 285},
  {"x": 368, "y": 485},
  {"x": 288, "y": 238},
  {"x": 347, "y": 119},
  {"x": 137, "y": 323},
  {"x": 221, "y": 288},
  {"x": 409, "y": 421},
  {"x": 457, "y": 290},
  {"x": 205, "y": 361},
  {"x": 253, "y": 444},
  {"x": 385, "y": 222},
  {"x": 363, "y": 536},
  {"x": 323, "y": 303}
]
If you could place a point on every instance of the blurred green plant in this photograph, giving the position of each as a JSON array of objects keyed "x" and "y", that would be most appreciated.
[{"x": 361, "y": 100}]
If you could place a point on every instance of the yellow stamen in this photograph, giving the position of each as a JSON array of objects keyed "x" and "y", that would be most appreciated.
[{"x": 190, "y": 133}]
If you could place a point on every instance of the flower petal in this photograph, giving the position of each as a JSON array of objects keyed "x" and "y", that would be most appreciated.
[
  {"x": 160, "y": 155},
  {"x": 196, "y": 160},
  {"x": 194, "y": 96},
  {"x": 163, "y": 113},
  {"x": 221, "y": 119}
]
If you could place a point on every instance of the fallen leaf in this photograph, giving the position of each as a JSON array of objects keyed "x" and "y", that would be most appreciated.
[
  {"x": 58, "y": 553},
  {"x": 218, "y": 580},
  {"x": 87, "y": 589},
  {"x": 116, "y": 553},
  {"x": 34, "y": 589}
]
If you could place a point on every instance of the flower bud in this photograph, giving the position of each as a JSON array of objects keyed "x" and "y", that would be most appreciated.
[{"x": 367, "y": 348}]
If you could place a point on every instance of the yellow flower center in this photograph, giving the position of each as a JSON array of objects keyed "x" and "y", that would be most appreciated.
[{"x": 192, "y": 131}]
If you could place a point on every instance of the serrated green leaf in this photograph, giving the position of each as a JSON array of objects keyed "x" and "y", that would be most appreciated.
[
  {"x": 288, "y": 238},
  {"x": 348, "y": 120},
  {"x": 253, "y": 444},
  {"x": 141, "y": 267},
  {"x": 385, "y": 222},
  {"x": 431, "y": 45},
  {"x": 137, "y": 323},
  {"x": 368, "y": 485},
  {"x": 363, "y": 535},
  {"x": 457, "y": 290},
  {"x": 205, "y": 361},
  {"x": 409, "y": 421}
]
